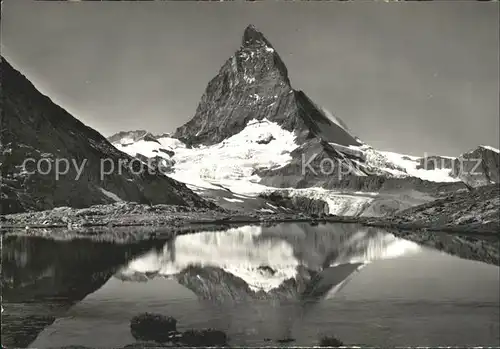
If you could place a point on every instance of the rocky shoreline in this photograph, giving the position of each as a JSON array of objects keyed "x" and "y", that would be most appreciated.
[
  {"x": 133, "y": 214},
  {"x": 141, "y": 217},
  {"x": 463, "y": 224}
]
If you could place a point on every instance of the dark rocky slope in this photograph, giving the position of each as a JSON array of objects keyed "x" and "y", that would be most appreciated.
[
  {"x": 476, "y": 210},
  {"x": 347, "y": 171},
  {"x": 297, "y": 203},
  {"x": 254, "y": 84},
  {"x": 32, "y": 126},
  {"x": 306, "y": 168},
  {"x": 382, "y": 183}
]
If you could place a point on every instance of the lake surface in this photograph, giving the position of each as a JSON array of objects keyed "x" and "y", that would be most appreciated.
[{"x": 259, "y": 284}]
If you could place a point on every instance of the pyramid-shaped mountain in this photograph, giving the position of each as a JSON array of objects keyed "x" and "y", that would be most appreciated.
[
  {"x": 254, "y": 84},
  {"x": 34, "y": 128}
]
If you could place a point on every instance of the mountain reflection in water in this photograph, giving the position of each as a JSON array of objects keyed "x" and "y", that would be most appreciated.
[
  {"x": 253, "y": 282},
  {"x": 267, "y": 261}
]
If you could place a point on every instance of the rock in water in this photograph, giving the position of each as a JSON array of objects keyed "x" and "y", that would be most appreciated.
[
  {"x": 153, "y": 327},
  {"x": 330, "y": 342},
  {"x": 33, "y": 127},
  {"x": 204, "y": 338}
]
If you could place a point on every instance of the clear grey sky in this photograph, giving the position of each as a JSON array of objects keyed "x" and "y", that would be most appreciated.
[{"x": 408, "y": 77}]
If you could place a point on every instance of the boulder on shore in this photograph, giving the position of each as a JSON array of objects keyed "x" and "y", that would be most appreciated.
[{"x": 204, "y": 338}]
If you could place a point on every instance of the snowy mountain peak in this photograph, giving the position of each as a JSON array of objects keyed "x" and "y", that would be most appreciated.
[
  {"x": 252, "y": 36},
  {"x": 129, "y": 137},
  {"x": 253, "y": 84},
  {"x": 163, "y": 135},
  {"x": 255, "y": 47}
]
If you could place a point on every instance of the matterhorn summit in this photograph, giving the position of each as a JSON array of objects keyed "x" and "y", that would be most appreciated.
[{"x": 253, "y": 84}]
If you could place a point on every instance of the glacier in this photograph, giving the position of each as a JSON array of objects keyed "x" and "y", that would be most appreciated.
[{"x": 228, "y": 168}]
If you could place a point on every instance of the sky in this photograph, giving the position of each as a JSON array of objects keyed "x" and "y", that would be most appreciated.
[{"x": 409, "y": 77}]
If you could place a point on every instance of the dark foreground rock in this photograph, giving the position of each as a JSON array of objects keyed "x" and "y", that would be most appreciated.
[
  {"x": 330, "y": 342},
  {"x": 154, "y": 327},
  {"x": 158, "y": 328},
  {"x": 72, "y": 347},
  {"x": 149, "y": 344},
  {"x": 201, "y": 338}
]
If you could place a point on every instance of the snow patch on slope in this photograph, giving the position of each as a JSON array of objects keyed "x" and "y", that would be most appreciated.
[
  {"x": 237, "y": 157},
  {"x": 232, "y": 161},
  {"x": 410, "y": 163},
  {"x": 230, "y": 165},
  {"x": 394, "y": 164},
  {"x": 126, "y": 141},
  {"x": 389, "y": 164},
  {"x": 143, "y": 147},
  {"x": 490, "y": 148},
  {"x": 111, "y": 195}
]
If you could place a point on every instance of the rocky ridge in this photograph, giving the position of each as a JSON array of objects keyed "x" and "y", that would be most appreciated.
[
  {"x": 469, "y": 211},
  {"x": 35, "y": 128},
  {"x": 132, "y": 136},
  {"x": 478, "y": 167}
]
